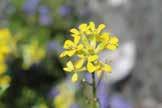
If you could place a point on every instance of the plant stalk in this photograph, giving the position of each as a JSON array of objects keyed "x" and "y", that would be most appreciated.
[{"x": 94, "y": 89}]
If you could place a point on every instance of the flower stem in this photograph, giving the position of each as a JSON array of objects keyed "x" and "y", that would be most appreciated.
[{"x": 94, "y": 89}]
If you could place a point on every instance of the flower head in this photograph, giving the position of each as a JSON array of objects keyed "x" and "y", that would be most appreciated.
[
  {"x": 86, "y": 44},
  {"x": 5, "y": 50}
]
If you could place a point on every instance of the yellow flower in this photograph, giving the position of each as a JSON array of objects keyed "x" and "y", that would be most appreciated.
[
  {"x": 70, "y": 67},
  {"x": 92, "y": 58},
  {"x": 91, "y": 67},
  {"x": 32, "y": 53},
  {"x": 89, "y": 40},
  {"x": 5, "y": 80},
  {"x": 5, "y": 48},
  {"x": 74, "y": 77},
  {"x": 104, "y": 67},
  {"x": 113, "y": 43},
  {"x": 96, "y": 30},
  {"x": 3, "y": 68},
  {"x": 83, "y": 28},
  {"x": 4, "y": 35},
  {"x": 5, "y": 41},
  {"x": 71, "y": 47}
]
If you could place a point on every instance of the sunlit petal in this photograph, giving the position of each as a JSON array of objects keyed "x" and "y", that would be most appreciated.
[
  {"x": 83, "y": 27},
  {"x": 69, "y": 67},
  {"x": 68, "y": 44},
  {"x": 79, "y": 63},
  {"x": 76, "y": 39},
  {"x": 107, "y": 68},
  {"x": 90, "y": 67},
  {"x": 71, "y": 52},
  {"x": 92, "y": 26},
  {"x": 63, "y": 54},
  {"x": 100, "y": 28},
  {"x": 114, "y": 40},
  {"x": 111, "y": 47},
  {"x": 74, "y": 31},
  {"x": 74, "y": 77},
  {"x": 92, "y": 58}
]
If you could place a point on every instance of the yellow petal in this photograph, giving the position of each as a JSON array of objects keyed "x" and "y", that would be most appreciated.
[
  {"x": 79, "y": 47},
  {"x": 100, "y": 28},
  {"x": 74, "y": 77},
  {"x": 107, "y": 68},
  {"x": 85, "y": 41},
  {"x": 2, "y": 58},
  {"x": 79, "y": 63},
  {"x": 4, "y": 34},
  {"x": 90, "y": 67},
  {"x": 105, "y": 37},
  {"x": 70, "y": 52},
  {"x": 3, "y": 68},
  {"x": 68, "y": 44},
  {"x": 92, "y": 26},
  {"x": 4, "y": 49},
  {"x": 74, "y": 31},
  {"x": 70, "y": 64},
  {"x": 100, "y": 47},
  {"x": 98, "y": 67},
  {"x": 92, "y": 58},
  {"x": 63, "y": 54},
  {"x": 93, "y": 42},
  {"x": 69, "y": 67},
  {"x": 83, "y": 27},
  {"x": 76, "y": 39},
  {"x": 111, "y": 47},
  {"x": 114, "y": 40},
  {"x": 5, "y": 80}
]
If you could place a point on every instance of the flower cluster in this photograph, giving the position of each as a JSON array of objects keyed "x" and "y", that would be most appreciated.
[
  {"x": 5, "y": 49},
  {"x": 86, "y": 44}
]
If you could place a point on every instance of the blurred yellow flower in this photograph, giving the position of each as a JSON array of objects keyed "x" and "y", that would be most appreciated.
[
  {"x": 4, "y": 80},
  {"x": 65, "y": 91},
  {"x": 88, "y": 41},
  {"x": 5, "y": 48},
  {"x": 4, "y": 35},
  {"x": 3, "y": 68},
  {"x": 32, "y": 53},
  {"x": 76, "y": 67}
]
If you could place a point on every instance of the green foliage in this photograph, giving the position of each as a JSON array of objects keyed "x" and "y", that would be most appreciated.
[{"x": 29, "y": 87}]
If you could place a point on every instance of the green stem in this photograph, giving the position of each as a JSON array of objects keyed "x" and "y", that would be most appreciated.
[{"x": 94, "y": 89}]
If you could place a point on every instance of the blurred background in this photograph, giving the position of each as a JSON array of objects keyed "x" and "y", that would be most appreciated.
[{"x": 32, "y": 33}]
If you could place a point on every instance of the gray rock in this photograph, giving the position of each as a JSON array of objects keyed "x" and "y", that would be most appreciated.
[{"x": 141, "y": 21}]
